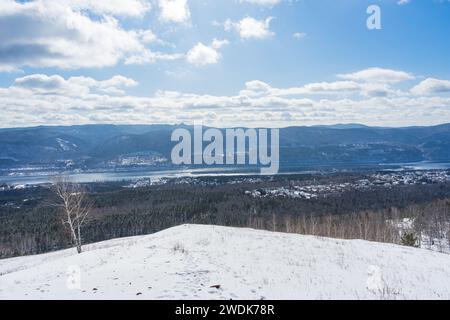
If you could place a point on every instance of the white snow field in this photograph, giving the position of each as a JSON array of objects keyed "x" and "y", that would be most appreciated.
[{"x": 186, "y": 261}]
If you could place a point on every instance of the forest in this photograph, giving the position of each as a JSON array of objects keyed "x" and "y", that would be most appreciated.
[{"x": 30, "y": 224}]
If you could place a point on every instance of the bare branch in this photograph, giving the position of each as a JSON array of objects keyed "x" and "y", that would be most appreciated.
[{"x": 75, "y": 207}]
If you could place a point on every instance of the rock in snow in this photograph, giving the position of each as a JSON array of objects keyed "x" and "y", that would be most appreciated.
[{"x": 211, "y": 262}]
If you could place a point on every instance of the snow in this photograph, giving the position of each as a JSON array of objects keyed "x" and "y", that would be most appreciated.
[
  {"x": 186, "y": 261},
  {"x": 66, "y": 145},
  {"x": 436, "y": 240}
]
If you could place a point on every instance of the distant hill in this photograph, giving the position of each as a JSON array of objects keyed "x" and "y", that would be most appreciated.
[
  {"x": 342, "y": 126},
  {"x": 95, "y": 146}
]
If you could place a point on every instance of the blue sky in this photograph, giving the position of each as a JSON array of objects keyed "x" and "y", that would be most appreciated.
[{"x": 233, "y": 62}]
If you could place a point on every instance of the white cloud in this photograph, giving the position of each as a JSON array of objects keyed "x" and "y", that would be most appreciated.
[
  {"x": 299, "y": 35},
  {"x": 265, "y": 3},
  {"x": 115, "y": 84},
  {"x": 57, "y": 85},
  {"x": 431, "y": 86},
  {"x": 319, "y": 88},
  {"x": 257, "y": 86},
  {"x": 147, "y": 36},
  {"x": 201, "y": 54},
  {"x": 378, "y": 75},
  {"x": 401, "y": 2},
  {"x": 118, "y": 8},
  {"x": 9, "y": 69},
  {"x": 147, "y": 56},
  {"x": 331, "y": 87},
  {"x": 217, "y": 44},
  {"x": 174, "y": 11},
  {"x": 43, "y": 84},
  {"x": 41, "y": 99},
  {"x": 378, "y": 89},
  {"x": 249, "y": 27},
  {"x": 66, "y": 34}
]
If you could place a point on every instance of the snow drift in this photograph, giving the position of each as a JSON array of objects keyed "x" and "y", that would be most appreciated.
[{"x": 210, "y": 262}]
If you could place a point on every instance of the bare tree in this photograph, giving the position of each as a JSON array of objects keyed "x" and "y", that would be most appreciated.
[{"x": 71, "y": 198}]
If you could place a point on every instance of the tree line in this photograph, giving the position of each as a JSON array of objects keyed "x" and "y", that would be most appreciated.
[{"x": 35, "y": 226}]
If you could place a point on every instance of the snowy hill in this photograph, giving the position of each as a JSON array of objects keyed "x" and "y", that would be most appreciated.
[{"x": 186, "y": 261}]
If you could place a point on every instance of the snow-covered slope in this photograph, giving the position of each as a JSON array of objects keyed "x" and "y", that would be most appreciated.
[{"x": 184, "y": 262}]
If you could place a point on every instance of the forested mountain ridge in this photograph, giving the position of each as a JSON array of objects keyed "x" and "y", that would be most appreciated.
[{"x": 96, "y": 145}]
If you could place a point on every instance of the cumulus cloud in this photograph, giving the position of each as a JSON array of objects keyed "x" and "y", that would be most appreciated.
[
  {"x": 57, "y": 85},
  {"x": 250, "y": 27},
  {"x": 118, "y": 8},
  {"x": 217, "y": 44},
  {"x": 174, "y": 11},
  {"x": 378, "y": 75},
  {"x": 148, "y": 56},
  {"x": 43, "y": 84},
  {"x": 71, "y": 34},
  {"x": 257, "y": 86},
  {"x": 52, "y": 99},
  {"x": 147, "y": 36},
  {"x": 375, "y": 82},
  {"x": 340, "y": 88},
  {"x": 265, "y": 3},
  {"x": 201, "y": 54},
  {"x": 9, "y": 69},
  {"x": 431, "y": 86}
]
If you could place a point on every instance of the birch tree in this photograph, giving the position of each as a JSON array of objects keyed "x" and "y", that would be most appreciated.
[{"x": 72, "y": 200}]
